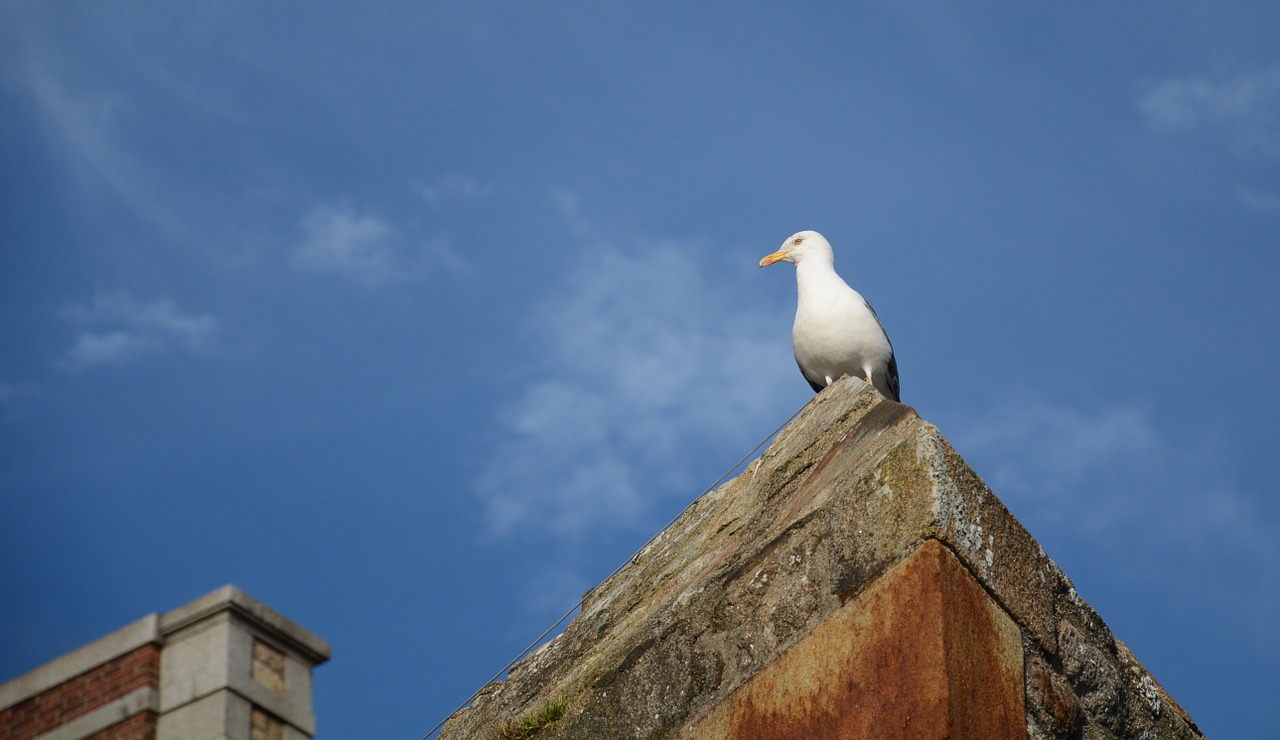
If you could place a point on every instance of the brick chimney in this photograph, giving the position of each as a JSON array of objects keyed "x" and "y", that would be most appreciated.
[{"x": 224, "y": 667}]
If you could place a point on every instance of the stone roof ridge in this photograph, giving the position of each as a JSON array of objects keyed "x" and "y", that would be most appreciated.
[{"x": 858, "y": 579}]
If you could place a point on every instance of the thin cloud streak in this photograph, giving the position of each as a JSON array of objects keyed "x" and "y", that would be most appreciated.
[
  {"x": 648, "y": 362},
  {"x": 86, "y": 128},
  {"x": 1096, "y": 475},
  {"x": 117, "y": 329},
  {"x": 1259, "y": 200},
  {"x": 450, "y": 188},
  {"x": 1247, "y": 105},
  {"x": 369, "y": 250},
  {"x": 343, "y": 241}
]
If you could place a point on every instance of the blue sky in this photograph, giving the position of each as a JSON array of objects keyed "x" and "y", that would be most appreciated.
[{"x": 414, "y": 320}]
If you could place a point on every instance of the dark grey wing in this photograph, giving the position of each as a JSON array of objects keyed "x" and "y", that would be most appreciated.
[
  {"x": 891, "y": 374},
  {"x": 817, "y": 387}
]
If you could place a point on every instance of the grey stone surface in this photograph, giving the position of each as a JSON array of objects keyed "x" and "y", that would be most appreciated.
[
  {"x": 212, "y": 716},
  {"x": 231, "y": 598},
  {"x": 853, "y": 486},
  {"x": 209, "y": 650}
]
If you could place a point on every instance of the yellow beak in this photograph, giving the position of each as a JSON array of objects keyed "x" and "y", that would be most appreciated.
[{"x": 769, "y": 259}]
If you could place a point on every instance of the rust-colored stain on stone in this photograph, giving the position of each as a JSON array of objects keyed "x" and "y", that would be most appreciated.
[{"x": 923, "y": 653}]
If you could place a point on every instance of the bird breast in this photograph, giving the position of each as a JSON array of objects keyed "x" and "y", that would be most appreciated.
[{"x": 838, "y": 334}]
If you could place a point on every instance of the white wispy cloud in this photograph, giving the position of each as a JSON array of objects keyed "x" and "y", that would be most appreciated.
[
  {"x": 365, "y": 248},
  {"x": 1109, "y": 485},
  {"x": 115, "y": 329},
  {"x": 439, "y": 192},
  {"x": 1259, "y": 200},
  {"x": 1247, "y": 105},
  {"x": 646, "y": 361},
  {"x": 88, "y": 130},
  {"x": 1100, "y": 474},
  {"x": 341, "y": 240}
]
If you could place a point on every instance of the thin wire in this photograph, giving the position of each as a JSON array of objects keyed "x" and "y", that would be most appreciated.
[{"x": 615, "y": 572}]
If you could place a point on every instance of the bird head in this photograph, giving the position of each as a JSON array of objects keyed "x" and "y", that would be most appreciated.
[{"x": 799, "y": 247}]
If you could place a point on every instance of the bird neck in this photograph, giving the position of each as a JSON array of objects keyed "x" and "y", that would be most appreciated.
[{"x": 817, "y": 278}]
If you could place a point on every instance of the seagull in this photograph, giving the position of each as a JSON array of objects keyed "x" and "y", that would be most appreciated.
[{"x": 836, "y": 332}]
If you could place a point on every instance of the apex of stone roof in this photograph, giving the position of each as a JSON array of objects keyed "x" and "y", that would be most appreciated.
[{"x": 858, "y": 580}]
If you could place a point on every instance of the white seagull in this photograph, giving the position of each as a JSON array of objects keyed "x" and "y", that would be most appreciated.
[{"x": 836, "y": 332}]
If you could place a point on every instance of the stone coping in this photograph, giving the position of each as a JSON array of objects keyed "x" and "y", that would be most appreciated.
[
  {"x": 154, "y": 628},
  {"x": 62, "y": 669}
]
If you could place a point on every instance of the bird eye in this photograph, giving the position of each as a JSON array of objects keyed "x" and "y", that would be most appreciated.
[{"x": 798, "y": 240}]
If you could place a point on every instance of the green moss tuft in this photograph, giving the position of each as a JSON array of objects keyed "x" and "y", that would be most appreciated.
[{"x": 531, "y": 724}]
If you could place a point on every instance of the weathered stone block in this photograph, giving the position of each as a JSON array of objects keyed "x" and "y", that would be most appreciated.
[
  {"x": 725, "y": 609},
  {"x": 922, "y": 652}
]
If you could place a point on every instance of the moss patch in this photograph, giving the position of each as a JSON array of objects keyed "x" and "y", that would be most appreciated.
[{"x": 533, "y": 723}]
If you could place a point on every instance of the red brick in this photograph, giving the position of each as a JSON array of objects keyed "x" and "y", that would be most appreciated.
[
  {"x": 138, "y": 727},
  {"x": 83, "y": 694}
]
